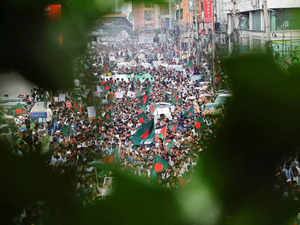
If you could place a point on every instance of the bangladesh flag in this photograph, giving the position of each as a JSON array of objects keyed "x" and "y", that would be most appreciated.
[
  {"x": 110, "y": 105},
  {"x": 142, "y": 117},
  {"x": 107, "y": 116},
  {"x": 159, "y": 165},
  {"x": 169, "y": 145},
  {"x": 199, "y": 124},
  {"x": 190, "y": 113},
  {"x": 142, "y": 109},
  {"x": 19, "y": 109},
  {"x": 175, "y": 98},
  {"x": 186, "y": 141},
  {"x": 66, "y": 129},
  {"x": 144, "y": 99},
  {"x": 172, "y": 127},
  {"x": 152, "y": 108},
  {"x": 76, "y": 107},
  {"x": 163, "y": 131},
  {"x": 144, "y": 133},
  {"x": 191, "y": 64}
]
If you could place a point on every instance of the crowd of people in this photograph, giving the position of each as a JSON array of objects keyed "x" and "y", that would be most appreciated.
[
  {"x": 288, "y": 177},
  {"x": 73, "y": 137}
]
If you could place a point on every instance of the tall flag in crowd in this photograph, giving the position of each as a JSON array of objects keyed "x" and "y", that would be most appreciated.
[{"x": 144, "y": 133}]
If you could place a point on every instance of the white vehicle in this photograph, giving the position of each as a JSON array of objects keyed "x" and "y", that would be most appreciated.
[
  {"x": 178, "y": 68},
  {"x": 163, "y": 108},
  {"x": 121, "y": 77}
]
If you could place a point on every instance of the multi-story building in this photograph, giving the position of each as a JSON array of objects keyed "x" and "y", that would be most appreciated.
[
  {"x": 259, "y": 21},
  {"x": 187, "y": 12},
  {"x": 146, "y": 16}
]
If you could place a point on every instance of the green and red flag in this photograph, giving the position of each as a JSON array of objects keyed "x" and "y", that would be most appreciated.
[
  {"x": 110, "y": 105},
  {"x": 107, "y": 116},
  {"x": 19, "y": 109},
  {"x": 170, "y": 145},
  {"x": 175, "y": 98},
  {"x": 163, "y": 131},
  {"x": 159, "y": 165},
  {"x": 191, "y": 64},
  {"x": 190, "y": 113},
  {"x": 142, "y": 117},
  {"x": 186, "y": 141},
  {"x": 199, "y": 124},
  {"x": 144, "y": 99},
  {"x": 76, "y": 107},
  {"x": 172, "y": 127},
  {"x": 144, "y": 133},
  {"x": 66, "y": 129}
]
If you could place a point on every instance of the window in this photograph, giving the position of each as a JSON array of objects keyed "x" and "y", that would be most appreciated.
[
  {"x": 148, "y": 5},
  {"x": 256, "y": 20},
  {"x": 256, "y": 43},
  {"x": 284, "y": 19},
  {"x": 244, "y": 21},
  {"x": 147, "y": 15}
]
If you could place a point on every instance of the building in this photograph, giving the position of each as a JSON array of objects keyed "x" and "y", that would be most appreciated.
[
  {"x": 188, "y": 12},
  {"x": 146, "y": 17},
  {"x": 258, "y": 21}
]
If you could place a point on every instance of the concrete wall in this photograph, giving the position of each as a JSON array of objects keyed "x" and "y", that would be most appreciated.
[{"x": 283, "y": 4}]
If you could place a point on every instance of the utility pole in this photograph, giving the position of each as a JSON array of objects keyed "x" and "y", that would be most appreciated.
[
  {"x": 170, "y": 14},
  {"x": 213, "y": 45},
  {"x": 267, "y": 21}
]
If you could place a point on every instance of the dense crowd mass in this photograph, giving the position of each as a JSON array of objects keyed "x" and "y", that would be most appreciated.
[{"x": 73, "y": 137}]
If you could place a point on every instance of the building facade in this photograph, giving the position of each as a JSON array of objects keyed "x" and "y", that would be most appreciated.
[
  {"x": 259, "y": 21},
  {"x": 187, "y": 12},
  {"x": 146, "y": 16}
]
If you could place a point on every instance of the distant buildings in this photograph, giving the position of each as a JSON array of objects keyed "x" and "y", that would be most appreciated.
[
  {"x": 146, "y": 16},
  {"x": 258, "y": 21}
]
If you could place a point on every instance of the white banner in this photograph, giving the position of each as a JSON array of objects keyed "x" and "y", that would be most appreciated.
[
  {"x": 119, "y": 95},
  {"x": 91, "y": 112},
  {"x": 62, "y": 97}
]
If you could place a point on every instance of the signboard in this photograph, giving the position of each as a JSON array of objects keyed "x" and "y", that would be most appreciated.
[
  {"x": 91, "y": 112},
  {"x": 207, "y": 7},
  {"x": 36, "y": 115},
  {"x": 62, "y": 97}
]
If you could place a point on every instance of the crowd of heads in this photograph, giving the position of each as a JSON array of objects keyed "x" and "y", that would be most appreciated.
[{"x": 73, "y": 140}]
